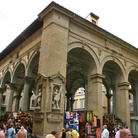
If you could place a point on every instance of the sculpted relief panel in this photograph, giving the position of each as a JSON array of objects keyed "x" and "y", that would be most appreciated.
[{"x": 56, "y": 97}]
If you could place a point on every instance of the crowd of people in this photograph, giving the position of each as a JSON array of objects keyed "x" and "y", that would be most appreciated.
[
  {"x": 21, "y": 127},
  {"x": 21, "y": 132},
  {"x": 16, "y": 127},
  {"x": 120, "y": 133},
  {"x": 13, "y": 131}
]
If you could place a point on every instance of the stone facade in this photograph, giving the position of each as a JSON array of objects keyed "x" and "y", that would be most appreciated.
[{"x": 61, "y": 53}]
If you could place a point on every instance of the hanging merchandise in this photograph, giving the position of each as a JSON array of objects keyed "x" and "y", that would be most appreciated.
[
  {"x": 98, "y": 133},
  {"x": 98, "y": 122},
  {"x": 71, "y": 115},
  {"x": 95, "y": 122},
  {"x": 67, "y": 115},
  {"x": 83, "y": 116},
  {"x": 88, "y": 128},
  {"x": 78, "y": 122},
  {"x": 71, "y": 122},
  {"x": 93, "y": 119},
  {"x": 89, "y": 116}
]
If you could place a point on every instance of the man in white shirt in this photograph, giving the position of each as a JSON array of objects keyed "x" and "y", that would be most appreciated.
[{"x": 105, "y": 133}]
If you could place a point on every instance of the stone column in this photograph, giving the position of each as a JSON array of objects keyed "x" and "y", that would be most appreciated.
[
  {"x": 68, "y": 102},
  {"x": 122, "y": 102},
  {"x": 95, "y": 95},
  {"x": 1, "y": 95},
  {"x": 109, "y": 99},
  {"x": 114, "y": 99},
  {"x": 25, "y": 102},
  {"x": 17, "y": 102},
  {"x": 136, "y": 96},
  {"x": 52, "y": 61},
  {"x": 86, "y": 96},
  {"x": 72, "y": 102},
  {"x": 10, "y": 101}
]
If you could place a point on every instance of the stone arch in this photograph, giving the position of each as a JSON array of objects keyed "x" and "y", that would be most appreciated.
[
  {"x": 132, "y": 75},
  {"x": 78, "y": 44},
  {"x": 32, "y": 60},
  {"x": 30, "y": 75},
  {"x": 17, "y": 81},
  {"x": 114, "y": 72},
  {"x": 82, "y": 62},
  {"x": 117, "y": 61},
  {"x": 8, "y": 73},
  {"x": 17, "y": 66},
  {"x": 133, "y": 67}
]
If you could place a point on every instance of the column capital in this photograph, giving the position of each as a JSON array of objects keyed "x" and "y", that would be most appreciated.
[
  {"x": 97, "y": 75},
  {"x": 2, "y": 90},
  {"x": 27, "y": 79},
  {"x": 12, "y": 86},
  {"x": 125, "y": 83},
  {"x": 97, "y": 78}
]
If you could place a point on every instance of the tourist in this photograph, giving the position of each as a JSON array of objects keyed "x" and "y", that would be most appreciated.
[
  {"x": 63, "y": 133},
  {"x": 2, "y": 135},
  {"x": 22, "y": 133},
  {"x": 55, "y": 133},
  {"x": 17, "y": 128},
  {"x": 73, "y": 131},
  {"x": 117, "y": 133},
  {"x": 105, "y": 133},
  {"x": 50, "y": 136},
  {"x": 1, "y": 129},
  {"x": 125, "y": 133},
  {"x": 69, "y": 134},
  {"x": 11, "y": 131}
]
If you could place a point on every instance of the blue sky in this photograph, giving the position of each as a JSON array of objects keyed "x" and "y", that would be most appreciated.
[{"x": 118, "y": 17}]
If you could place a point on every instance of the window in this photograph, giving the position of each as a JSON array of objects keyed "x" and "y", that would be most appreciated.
[{"x": 81, "y": 103}]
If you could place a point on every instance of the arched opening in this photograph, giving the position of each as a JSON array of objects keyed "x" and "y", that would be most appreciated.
[
  {"x": 133, "y": 79},
  {"x": 18, "y": 81},
  {"x": 33, "y": 72},
  {"x": 133, "y": 100},
  {"x": 5, "y": 85},
  {"x": 79, "y": 65},
  {"x": 113, "y": 74}
]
